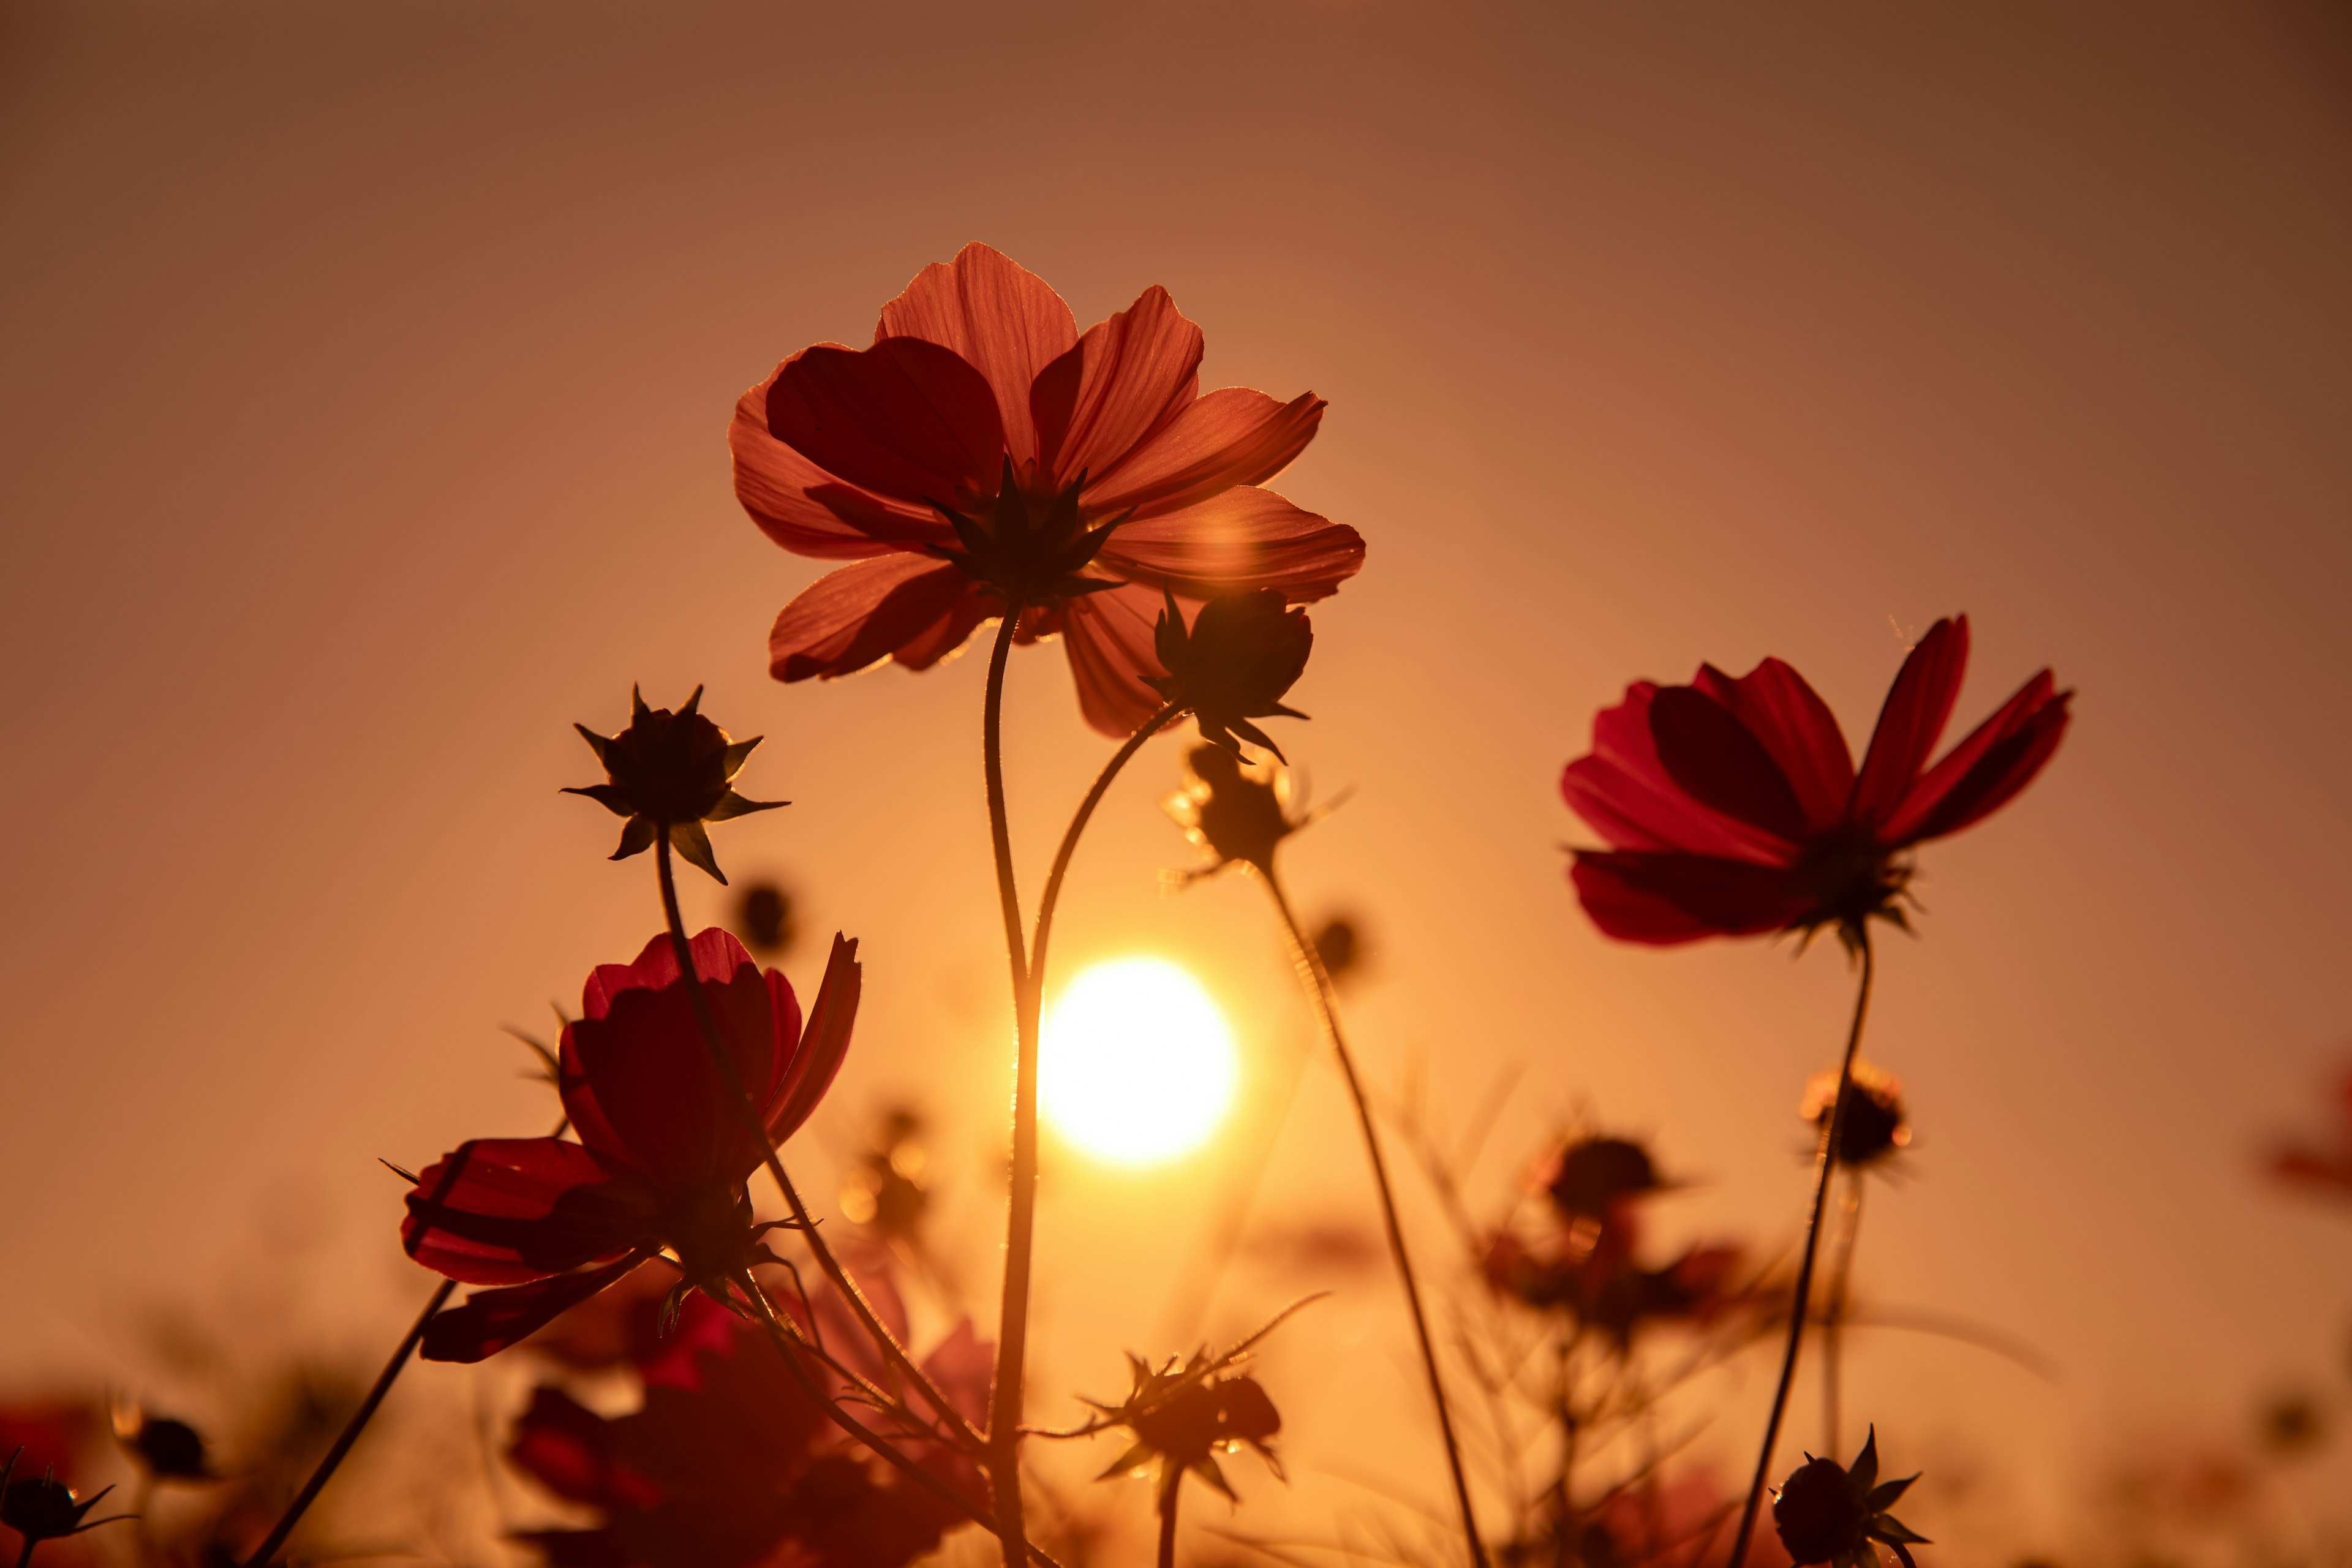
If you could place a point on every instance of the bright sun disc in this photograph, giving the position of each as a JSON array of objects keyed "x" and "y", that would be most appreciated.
[{"x": 1136, "y": 1065}]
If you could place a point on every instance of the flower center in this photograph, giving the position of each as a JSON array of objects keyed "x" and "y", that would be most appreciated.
[
  {"x": 1028, "y": 548},
  {"x": 710, "y": 1231},
  {"x": 1848, "y": 877}
]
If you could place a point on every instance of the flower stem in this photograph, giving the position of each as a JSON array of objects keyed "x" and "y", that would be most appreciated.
[
  {"x": 1034, "y": 990},
  {"x": 1168, "y": 1495},
  {"x": 707, "y": 1025},
  {"x": 1827, "y": 1162},
  {"x": 343, "y": 1444},
  {"x": 789, "y": 1346},
  {"x": 1021, "y": 1196},
  {"x": 1317, "y": 986},
  {"x": 1833, "y": 1315}
]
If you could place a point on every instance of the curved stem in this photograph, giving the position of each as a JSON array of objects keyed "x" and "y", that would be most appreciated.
[
  {"x": 1021, "y": 1196},
  {"x": 1052, "y": 894},
  {"x": 1319, "y": 990},
  {"x": 350, "y": 1435},
  {"x": 1798, "y": 1304},
  {"x": 707, "y": 1025},
  {"x": 1833, "y": 1315},
  {"x": 1168, "y": 1495}
]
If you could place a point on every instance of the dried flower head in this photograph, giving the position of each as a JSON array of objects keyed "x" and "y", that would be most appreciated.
[
  {"x": 1237, "y": 811},
  {"x": 1828, "y": 1513},
  {"x": 1244, "y": 652},
  {"x": 1340, "y": 945},
  {"x": 764, "y": 919},
  {"x": 1592, "y": 1177},
  {"x": 1876, "y": 1123},
  {"x": 43, "y": 1508},
  {"x": 1184, "y": 1416},
  {"x": 669, "y": 774},
  {"x": 167, "y": 1449}
]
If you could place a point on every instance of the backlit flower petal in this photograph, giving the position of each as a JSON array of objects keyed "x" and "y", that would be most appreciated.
[
  {"x": 808, "y": 511},
  {"x": 999, "y": 317},
  {"x": 1720, "y": 762},
  {"x": 913, "y": 609},
  {"x": 1625, "y": 792},
  {"x": 1109, "y": 636},
  {"x": 1243, "y": 539},
  {"x": 1664, "y": 898},
  {"x": 1797, "y": 727},
  {"x": 636, "y": 1077},
  {"x": 1126, "y": 378},
  {"x": 1231, "y": 436},
  {"x": 504, "y": 1211},
  {"x": 1981, "y": 773},
  {"x": 822, "y": 1044},
  {"x": 491, "y": 1320},
  {"x": 904, "y": 418},
  {"x": 1918, "y": 706}
]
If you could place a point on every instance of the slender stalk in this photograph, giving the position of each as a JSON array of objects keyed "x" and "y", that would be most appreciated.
[
  {"x": 24, "y": 1557},
  {"x": 789, "y": 1345},
  {"x": 1035, "y": 990},
  {"x": 887, "y": 1343},
  {"x": 1833, "y": 1315},
  {"x": 1168, "y": 1495},
  {"x": 334, "y": 1456},
  {"x": 1021, "y": 1196},
  {"x": 1318, "y": 991},
  {"x": 1803, "y": 1300}
]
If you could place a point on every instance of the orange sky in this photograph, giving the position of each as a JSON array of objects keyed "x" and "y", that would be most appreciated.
[{"x": 367, "y": 376}]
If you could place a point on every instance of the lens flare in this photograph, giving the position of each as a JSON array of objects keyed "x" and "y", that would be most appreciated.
[{"x": 1137, "y": 1064}]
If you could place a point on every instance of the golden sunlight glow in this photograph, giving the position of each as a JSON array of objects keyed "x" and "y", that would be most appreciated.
[{"x": 1136, "y": 1064}]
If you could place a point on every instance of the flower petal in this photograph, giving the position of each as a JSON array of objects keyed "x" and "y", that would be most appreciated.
[
  {"x": 808, "y": 511},
  {"x": 1624, "y": 792},
  {"x": 491, "y": 1320},
  {"x": 1979, "y": 775},
  {"x": 1918, "y": 705},
  {"x": 504, "y": 1211},
  {"x": 906, "y": 419},
  {"x": 1109, "y": 636},
  {"x": 1126, "y": 378},
  {"x": 1231, "y": 436},
  {"x": 1798, "y": 728},
  {"x": 1718, "y": 761},
  {"x": 568, "y": 1448},
  {"x": 637, "y": 1078},
  {"x": 999, "y": 317},
  {"x": 1243, "y": 539},
  {"x": 822, "y": 1044},
  {"x": 909, "y": 607},
  {"x": 1663, "y": 899}
]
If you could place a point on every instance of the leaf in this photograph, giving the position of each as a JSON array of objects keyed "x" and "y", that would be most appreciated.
[
  {"x": 693, "y": 846},
  {"x": 636, "y": 837}
]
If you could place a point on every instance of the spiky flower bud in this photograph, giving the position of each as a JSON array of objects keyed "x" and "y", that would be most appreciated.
[
  {"x": 167, "y": 1449},
  {"x": 669, "y": 774},
  {"x": 43, "y": 1508},
  {"x": 1875, "y": 1125},
  {"x": 1237, "y": 811},
  {"x": 1826, "y": 1512},
  {"x": 1593, "y": 1176},
  {"x": 1243, "y": 653}
]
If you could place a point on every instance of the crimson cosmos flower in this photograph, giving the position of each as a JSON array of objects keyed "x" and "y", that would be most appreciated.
[
  {"x": 1733, "y": 807},
  {"x": 728, "y": 1464},
  {"x": 663, "y": 1150},
  {"x": 982, "y": 447}
]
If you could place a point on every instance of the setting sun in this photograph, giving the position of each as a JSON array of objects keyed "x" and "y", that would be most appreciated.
[{"x": 1138, "y": 1064}]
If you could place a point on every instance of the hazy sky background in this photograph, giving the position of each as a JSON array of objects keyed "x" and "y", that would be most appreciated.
[{"x": 366, "y": 378}]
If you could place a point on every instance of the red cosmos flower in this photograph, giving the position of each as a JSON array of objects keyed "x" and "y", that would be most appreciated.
[
  {"x": 662, "y": 1155},
  {"x": 983, "y": 449},
  {"x": 1732, "y": 806},
  {"x": 727, "y": 1463}
]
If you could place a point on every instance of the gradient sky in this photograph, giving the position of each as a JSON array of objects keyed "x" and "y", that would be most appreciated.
[{"x": 367, "y": 374}]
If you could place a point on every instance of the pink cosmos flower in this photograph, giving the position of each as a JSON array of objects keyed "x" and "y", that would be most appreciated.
[
  {"x": 1733, "y": 807},
  {"x": 984, "y": 449},
  {"x": 662, "y": 1154}
]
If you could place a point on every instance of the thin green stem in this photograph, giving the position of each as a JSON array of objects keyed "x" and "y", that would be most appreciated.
[
  {"x": 1318, "y": 984},
  {"x": 1021, "y": 1196},
  {"x": 708, "y": 1023},
  {"x": 1834, "y": 1316},
  {"x": 334, "y": 1456},
  {"x": 1802, "y": 1299},
  {"x": 1168, "y": 1495}
]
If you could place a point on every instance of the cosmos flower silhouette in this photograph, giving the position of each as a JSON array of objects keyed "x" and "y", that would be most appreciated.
[
  {"x": 1733, "y": 807},
  {"x": 663, "y": 1150},
  {"x": 983, "y": 449}
]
